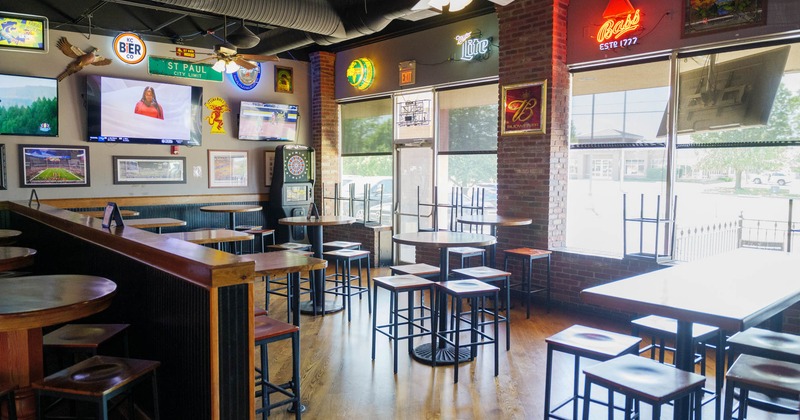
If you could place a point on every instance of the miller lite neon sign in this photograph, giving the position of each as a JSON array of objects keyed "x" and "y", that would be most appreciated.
[
  {"x": 621, "y": 19},
  {"x": 473, "y": 47}
]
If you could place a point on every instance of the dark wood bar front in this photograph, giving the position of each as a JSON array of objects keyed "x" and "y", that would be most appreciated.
[{"x": 190, "y": 307}]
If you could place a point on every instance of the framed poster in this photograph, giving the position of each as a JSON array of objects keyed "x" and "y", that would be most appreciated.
[
  {"x": 702, "y": 16},
  {"x": 149, "y": 170},
  {"x": 269, "y": 164},
  {"x": 524, "y": 108},
  {"x": 53, "y": 166},
  {"x": 284, "y": 81},
  {"x": 23, "y": 32},
  {"x": 227, "y": 168}
]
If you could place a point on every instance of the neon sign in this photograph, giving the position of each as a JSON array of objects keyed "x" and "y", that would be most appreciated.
[
  {"x": 361, "y": 73},
  {"x": 473, "y": 48},
  {"x": 621, "y": 18}
]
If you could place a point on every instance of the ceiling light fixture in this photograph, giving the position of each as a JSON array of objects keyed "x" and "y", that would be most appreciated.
[
  {"x": 231, "y": 67},
  {"x": 219, "y": 65}
]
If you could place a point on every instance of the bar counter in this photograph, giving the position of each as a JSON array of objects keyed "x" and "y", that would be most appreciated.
[{"x": 190, "y": 307}]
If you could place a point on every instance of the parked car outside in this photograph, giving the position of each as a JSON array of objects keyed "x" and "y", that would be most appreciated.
[{"x": 777, "y": 178}]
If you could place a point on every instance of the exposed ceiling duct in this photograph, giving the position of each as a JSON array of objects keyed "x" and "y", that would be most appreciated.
[{"x": 315, "y": 16}]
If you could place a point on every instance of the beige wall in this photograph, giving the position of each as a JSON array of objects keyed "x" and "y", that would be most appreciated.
[{"x": 72, "y": 122}]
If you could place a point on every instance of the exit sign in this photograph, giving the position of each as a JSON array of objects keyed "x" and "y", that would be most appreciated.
[{"x": 408, "y": 73}]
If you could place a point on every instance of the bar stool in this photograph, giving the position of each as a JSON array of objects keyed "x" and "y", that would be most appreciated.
[
  {"x": 526, "y": 284},
  {"x": 99, "y": 379},
  {"x": 398, "y": 317},
  {"x": 586, "y": 342},
  {"x": 770, "y": 345},
  {"x": 426, "y": 271},
  {"x": 289, "y": 246},
  {"x": 258, "y": 233},
  {"x": 336, "y": 245},
  {"x": 498, "y": 278},
  {"x": 346, "y": 257},
  {"x": 7, "y": 394},
  {"x": 642, "y": 380},
  {"x": 773, "y": 378},
  {"x": 468, "y": 252},
  {"x": 268, "y": 330},
  {"x": 85, "y": 340},
  {"x": 472, "y": 290}
]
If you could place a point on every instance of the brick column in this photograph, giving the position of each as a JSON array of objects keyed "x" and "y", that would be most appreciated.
[
  {"x": 532, "y": 169},
  {"x": 324, "y": 122}
]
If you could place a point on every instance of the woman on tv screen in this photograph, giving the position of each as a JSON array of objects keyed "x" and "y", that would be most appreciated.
[{"x": 149, "y": 105}]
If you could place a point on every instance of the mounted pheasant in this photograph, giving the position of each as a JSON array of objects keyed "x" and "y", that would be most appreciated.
[{"x": 82, "y": 59}]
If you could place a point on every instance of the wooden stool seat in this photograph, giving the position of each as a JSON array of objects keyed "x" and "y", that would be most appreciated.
[
  {"x": 257, "y": 311},
  {"x": 420, "y": 270},
  {"x": 266, "y": 331},
  {"x": 83, "y": 336},
  {"x": 470, "y": 289},
  {"x": 99, "y": 379},
  {"x": 642, "y": 379},
  {"x": 774, "y": 378},
  {"x": 398, "y": 317},
  {"x": 333, "y": 245},
  {"x": 766, "y": 343},
  {"x": 288, "y": 246},
  {"x": 587, "y": 342},
  {"x": 526, "y": 285}
]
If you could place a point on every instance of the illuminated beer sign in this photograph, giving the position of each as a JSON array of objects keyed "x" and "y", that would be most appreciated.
[
  {"x": 130, "y": 48},
  {"x": 473, "y": 47},
  {"x": 621, "y": 19},
  {"x": 361, "y": 73}
]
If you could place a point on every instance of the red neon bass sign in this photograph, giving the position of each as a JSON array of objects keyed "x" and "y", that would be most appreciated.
[{"x": 621, "y": 18}]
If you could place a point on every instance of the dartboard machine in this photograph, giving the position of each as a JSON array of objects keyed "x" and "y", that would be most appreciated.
[{"x": 292, "y": 189}]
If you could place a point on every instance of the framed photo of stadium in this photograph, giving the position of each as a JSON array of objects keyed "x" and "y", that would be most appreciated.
[
  {"x": 227, "y": 168},
  {"x": 149, "y": 170},
  {"x": 53, "y": 166}
]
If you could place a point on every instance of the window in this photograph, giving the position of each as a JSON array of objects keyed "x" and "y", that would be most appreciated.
[
  {"x": 467, "y": 143},
  {"x": 366, "y": 129}
]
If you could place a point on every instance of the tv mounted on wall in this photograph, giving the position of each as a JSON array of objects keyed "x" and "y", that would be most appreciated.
[
  {"x": 138, "y": 111},
  {"x": 20, "y": 32},
  {"x": 265, "y": 121},
  {"x": 28, "y": 106}
]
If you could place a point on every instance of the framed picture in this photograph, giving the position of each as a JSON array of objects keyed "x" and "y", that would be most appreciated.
[
  {"x": 227, "y": 168},
  {"x": 149, "y": 170},
  {"x": 23, "y": 32},
  {"x": 524, "y": 108},
  {"x": 53, "y": 166},
  {"x": 269, "y": 164},
  {"x": 702, "y": 16},
  {"x": 3, "y": 185},
  {"x": 284, "y": 81}
]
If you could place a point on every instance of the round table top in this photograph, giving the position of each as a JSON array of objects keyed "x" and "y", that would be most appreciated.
[
  {"x": 327, "y": 220},
  {"x": 494, "y": 219},
  {"x": 14, "y": 257},
  {"x": 38, "y": 301},
  {"x": 231, "y": 208},
  {"x": 9, "y": 233},
  {"x": 444, "y": 239}
]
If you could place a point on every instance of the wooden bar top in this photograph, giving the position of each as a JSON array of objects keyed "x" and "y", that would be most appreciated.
[
  {"x": 211, "y": 236},
  {"x": 283, "y": 262},
  {"x": 156, "y": 222},
  {"x": 101, "y": 213},
  {"x": 14, "y": 257},
  {"x": 196, "y": 264}
]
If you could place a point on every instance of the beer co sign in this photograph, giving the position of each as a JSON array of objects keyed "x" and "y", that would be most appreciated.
[{"x": 130, "y": 48}]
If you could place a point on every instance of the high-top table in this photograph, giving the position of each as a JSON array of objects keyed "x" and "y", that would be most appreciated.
[
  {"x": 442, "y": 352},
  {"x": 210, "y": 236},
  {"x": 493, "y": 221},
  {"x": 733, "y": 291},
  {"x": 318, "y": 304},
  {"x": 231, "y": 209},
  {"x": 29, "y": 303},
  {"x": 286, "y": 263},
  {"x": 14, "y": 257},
  {"x": 155, "y": 223},
  {"x": 8, "y": 236}
]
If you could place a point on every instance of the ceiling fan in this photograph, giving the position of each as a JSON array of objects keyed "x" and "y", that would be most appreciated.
[{"x": 226, "y": 55}]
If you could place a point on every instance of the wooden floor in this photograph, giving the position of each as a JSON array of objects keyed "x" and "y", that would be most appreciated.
[{"x": 340, "y": 381}]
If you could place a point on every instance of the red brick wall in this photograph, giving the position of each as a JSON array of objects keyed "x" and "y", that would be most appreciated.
[{"x": 324, "y": 122}]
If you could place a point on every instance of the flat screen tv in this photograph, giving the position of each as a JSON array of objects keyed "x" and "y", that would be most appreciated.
[
  {"x": 137, "y": 111},
  {"x": 28, "y": 106},
  {"x": 270, "y": 122}
]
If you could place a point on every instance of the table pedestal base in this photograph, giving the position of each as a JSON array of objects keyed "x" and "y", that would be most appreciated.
[
  {"x": 444, "y": 355},
  {"x": 307, "y": 307}
]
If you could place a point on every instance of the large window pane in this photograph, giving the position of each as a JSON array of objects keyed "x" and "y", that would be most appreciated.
[{"x": 468, "y": 119}]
